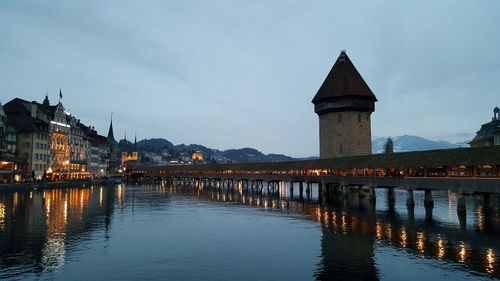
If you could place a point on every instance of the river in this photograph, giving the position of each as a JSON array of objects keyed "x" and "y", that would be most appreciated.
[{"x": 167, "y": 232}]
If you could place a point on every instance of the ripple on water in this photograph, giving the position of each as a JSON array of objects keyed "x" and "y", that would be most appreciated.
[{"x": 148, "y": 232}]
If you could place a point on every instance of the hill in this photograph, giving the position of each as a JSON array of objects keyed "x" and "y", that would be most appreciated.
[{"x": 413, "y": 143}]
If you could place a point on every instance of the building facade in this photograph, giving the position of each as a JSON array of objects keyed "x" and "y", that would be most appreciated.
[
  {"x": 489, "y": 134},
  {"x": 9, "y": 164},
  {"x": 127, "y": 156},
  {"x": 6, "y": 165},
  {"x": 98, "y": 153},
  {"x": 3, "y": 132},
  {"x": 78, "y": 149},
  {"x": 32, "y": 136},
  {"x": 43, "y": 141},
  {"x": 60, "y": 131},
  {"x": 10, "y": 141},
  {"x": 344, "y": 104}
]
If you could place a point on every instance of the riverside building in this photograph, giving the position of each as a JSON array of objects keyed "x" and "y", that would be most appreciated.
[
  {"x": 43, "y": 141},
  {"x": 32, "y": 135},
  {"x": 489, "y": 134}
]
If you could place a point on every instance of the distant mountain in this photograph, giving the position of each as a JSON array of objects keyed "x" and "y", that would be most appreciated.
[
  {"x": 243, "y": 155},
  {"x": 195, "y": 147},
  {"x": 247, "y": 155},
  {"x": 413, "y": 143},
  {"x": 154, "y": 144},
  {"x": 279, "y": 157}
]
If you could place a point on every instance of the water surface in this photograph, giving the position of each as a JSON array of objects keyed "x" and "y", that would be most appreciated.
[{"x": 158, "y": 232}]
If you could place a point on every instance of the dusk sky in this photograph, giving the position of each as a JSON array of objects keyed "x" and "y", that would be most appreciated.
[{"x": 233, "y": 74}]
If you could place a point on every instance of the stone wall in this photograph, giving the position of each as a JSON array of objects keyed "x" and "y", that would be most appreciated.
[{"x": 343, "y": 134}]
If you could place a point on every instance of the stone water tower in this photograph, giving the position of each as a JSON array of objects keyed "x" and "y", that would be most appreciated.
[{"x": 344, "y": 103}]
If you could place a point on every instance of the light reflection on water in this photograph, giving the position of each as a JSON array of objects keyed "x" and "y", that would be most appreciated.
[{"x": 184, "y": 233}]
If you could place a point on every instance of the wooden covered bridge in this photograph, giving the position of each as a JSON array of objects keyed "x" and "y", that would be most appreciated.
[{"x": 461, "y": 170}]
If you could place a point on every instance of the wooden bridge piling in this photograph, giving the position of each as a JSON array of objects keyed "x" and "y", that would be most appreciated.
[
  {"x": 410, "y": 201},
  {"x": 428, "y": 201}
]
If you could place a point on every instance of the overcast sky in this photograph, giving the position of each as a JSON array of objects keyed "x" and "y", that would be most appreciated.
[{"x": 232, "y": 74}]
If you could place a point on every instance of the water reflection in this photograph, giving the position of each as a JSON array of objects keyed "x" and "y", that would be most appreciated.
[
  {"x": 37, "y": 226},
  {"x": 2, "y": 216},
  {"x": 351, "y": 228},
  {"x": 40, "y": 230}
]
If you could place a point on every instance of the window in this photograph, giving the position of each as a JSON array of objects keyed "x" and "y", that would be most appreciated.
[
  {"x": 359, "y": 117},
  {"x": 340, "y": 149},
  {"x": 339, "y": 120}
]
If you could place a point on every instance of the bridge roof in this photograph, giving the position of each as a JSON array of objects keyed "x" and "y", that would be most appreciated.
[
  {"x": 430, "y": 158},
  {"x": 343, "y": 80}
]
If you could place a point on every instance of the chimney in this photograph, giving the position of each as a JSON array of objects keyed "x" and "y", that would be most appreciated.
[{"x": 33, "y": 109}]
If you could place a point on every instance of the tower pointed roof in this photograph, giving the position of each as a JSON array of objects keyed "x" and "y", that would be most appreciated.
[
  {"x": 46, "y": 101},
  {"x": 135, "y": 142},
  {"x": 342, "y": 81},
  {"x": 124, "y": 143},
  {"x": 111, "y": 136}
]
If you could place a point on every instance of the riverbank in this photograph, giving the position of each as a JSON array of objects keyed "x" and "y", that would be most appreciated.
[{"x": 51, "y": 185}]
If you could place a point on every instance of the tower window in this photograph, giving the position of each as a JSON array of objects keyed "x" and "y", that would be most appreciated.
[
  {"x": 340, "y": 149},
  {"x": 339, "y": 118}
]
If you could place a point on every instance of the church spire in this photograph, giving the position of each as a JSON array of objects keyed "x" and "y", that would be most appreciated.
[
  {"x": 125, "y": 141},
  {"x": 135, "y": 141},
  {"x": 46, "y": 100},
  {"x": 111, "y": 136},
  {"x": 60, "y": 95}
]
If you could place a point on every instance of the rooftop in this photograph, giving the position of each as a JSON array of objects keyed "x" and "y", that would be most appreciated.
[
  {"x": 488, "y": 130},
  {"x": 343, "y": 80}
]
